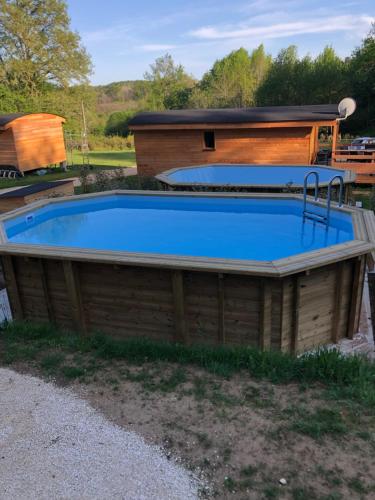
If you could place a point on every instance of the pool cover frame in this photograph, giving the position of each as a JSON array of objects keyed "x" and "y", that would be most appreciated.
[
  {"x": 349, "y": 178},
  {"x": 293, "y": 304}
]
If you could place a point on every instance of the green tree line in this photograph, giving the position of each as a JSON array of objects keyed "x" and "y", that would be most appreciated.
[{"x": 45, "y": 68}]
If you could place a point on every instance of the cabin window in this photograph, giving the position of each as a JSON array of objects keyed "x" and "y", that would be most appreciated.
[{"x": 209, "y": 139}]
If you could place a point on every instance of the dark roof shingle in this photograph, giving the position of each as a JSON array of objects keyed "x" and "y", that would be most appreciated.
[
  {"x": 315, "y": 112},
  {"x": 5, "y": 119},
  {"x": 33, "y": 188}
]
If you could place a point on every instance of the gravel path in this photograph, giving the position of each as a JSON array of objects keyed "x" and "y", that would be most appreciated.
[{"x": 54, "y": 445}]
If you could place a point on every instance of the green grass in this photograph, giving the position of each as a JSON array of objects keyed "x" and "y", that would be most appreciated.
[
  {"x": 321, "y": 422},
  {"x": 348, "y": 378},
  {"x": 106, "y": 158},
  {"x": 99, "y": 160}
]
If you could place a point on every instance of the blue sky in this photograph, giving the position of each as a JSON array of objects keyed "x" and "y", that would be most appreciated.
[{"x": 125, "y": 37}]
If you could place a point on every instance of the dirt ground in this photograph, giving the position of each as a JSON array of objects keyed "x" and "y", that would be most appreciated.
[{"x": 242, "y": 436}]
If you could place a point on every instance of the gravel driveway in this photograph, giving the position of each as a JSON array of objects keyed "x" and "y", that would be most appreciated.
[{"x": 54, "y": 445}]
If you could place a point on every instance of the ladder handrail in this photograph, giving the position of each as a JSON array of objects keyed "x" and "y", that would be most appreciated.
[
  {"x": 341, "y": 181},
  {"x": 316, "y": 174}
]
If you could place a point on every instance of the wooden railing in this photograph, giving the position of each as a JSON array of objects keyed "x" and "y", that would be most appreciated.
[{"x": 362, "y": 162}]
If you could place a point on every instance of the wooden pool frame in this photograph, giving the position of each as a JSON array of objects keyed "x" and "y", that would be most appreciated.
[
  {"x": 349, "y": 178},
  {"x": 293, "y": 304}
]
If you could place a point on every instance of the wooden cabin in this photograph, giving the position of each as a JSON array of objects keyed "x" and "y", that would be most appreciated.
[
  {"x": 29, "y": 141},
  {"x": 264, "y": 135},
  {"x": 15, "y": 198}
]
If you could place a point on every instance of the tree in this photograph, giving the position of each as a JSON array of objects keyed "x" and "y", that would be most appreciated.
[
  {"x": 37, "y": 46},
  {"x": 10, "y": 101},
  {"x": 330, "y": 77},
  {"x": 295, "y": 81},
  {"x": 170, "y": 85},
  {"x": 279, "y": 87},
  {"x": 232, "y": 80},
  {"x": 118, "y": 123},
  {"x": 362, "y": 79}
]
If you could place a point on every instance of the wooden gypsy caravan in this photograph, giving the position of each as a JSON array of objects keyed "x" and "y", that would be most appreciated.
[
  {"x": 264, "y": 135},
  {"x": 29, "y": 141}
]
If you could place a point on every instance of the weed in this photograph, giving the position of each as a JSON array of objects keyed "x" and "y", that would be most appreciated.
[
  {"x": 169, "y": 384},
  {"x": 229, "y": 484},
  {"x": 199, "y": 389},
  {"x": 356, "y": 484},
  {"x": 72, "y": 371},
  {"x": 321, "y": 422},
  {"x": 16, "y": 352},
  {"x": 204, "y": 440},
  {"x": 227, "y": 454},
  {"x": 271, "y": 492},
  {"x": 248, "y": 471},
  {"x": 303, "y": 494},
  {"x": 220, "y": 398},
  {"x": 51, "y": 362},
  {"x": 331, "y": 476}
]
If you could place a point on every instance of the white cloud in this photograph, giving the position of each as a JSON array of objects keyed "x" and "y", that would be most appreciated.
[{"x": 280, "y": 30}]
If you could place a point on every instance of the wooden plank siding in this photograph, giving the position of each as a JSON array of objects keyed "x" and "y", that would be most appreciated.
[
  {"x": 10, "y": 203},
  {"x": 8, "y": 154},
  {"x": 292, "y": 313},
  {"x": 161, "y": 150},
  {"x": 32, "y": 141}
]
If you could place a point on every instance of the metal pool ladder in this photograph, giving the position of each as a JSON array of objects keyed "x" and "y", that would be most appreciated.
[{"x": 308, "y": 214}]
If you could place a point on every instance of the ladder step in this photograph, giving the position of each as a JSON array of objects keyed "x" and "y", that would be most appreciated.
[
  {"x": 315, "y": 214},
  {"x": 315, "y": 217}
]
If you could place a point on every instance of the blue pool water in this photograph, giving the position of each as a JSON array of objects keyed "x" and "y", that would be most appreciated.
[
  {"x": 253, "y": 175},
  {"x": 234, "y": 228}
]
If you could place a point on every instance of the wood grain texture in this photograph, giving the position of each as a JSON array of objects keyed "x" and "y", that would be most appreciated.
[
  {"x": 32, "y": 141},
  {"x": 289, "y": 314},
  {"x": 157, "y": 151}
]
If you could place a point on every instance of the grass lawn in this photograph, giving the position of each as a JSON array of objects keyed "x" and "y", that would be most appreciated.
[
  {"x": 99, "y": 160},
  {"x": 239, "y": 418},
  {"x": 107, "y": 158}
]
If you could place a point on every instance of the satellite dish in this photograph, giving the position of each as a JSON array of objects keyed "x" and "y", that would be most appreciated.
[{"x": 347, "y": 107}]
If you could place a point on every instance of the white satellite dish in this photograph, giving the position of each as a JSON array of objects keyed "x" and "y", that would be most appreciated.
[{"x": 347, "y": 107}]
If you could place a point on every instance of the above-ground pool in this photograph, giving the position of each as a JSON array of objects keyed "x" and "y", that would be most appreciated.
[
  {"x": 211, "y": 268},
  {"x": 229, "y": 228},
  {"x": 250, "y": 177}
]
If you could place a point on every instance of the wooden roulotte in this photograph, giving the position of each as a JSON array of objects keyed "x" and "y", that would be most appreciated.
[
  {"x": 270, "y": 135},
  {"x": 29, "y": 141},
  {"x": 293, "y": 304}
]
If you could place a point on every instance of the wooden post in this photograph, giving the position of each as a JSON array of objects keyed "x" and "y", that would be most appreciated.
[
  {"x": 220, "y": 307},
  {"x": 265, "y": 315},
  {"x": 371, "y": 289},
  {"x": 181, "y": 332},
  {"x": 74, "y": 295},
  {"x": 12, "y": 287},
  {"x": 356, "y": 295},
  {"x": 47, "y": 297},
  {"x": 335, "y": 130},
  {"x": 337, "y": 304},
  {"x": 296, "y": 306}
]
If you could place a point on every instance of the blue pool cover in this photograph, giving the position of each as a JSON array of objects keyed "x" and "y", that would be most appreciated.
[
  {"x": 226, "y": 227},
  {"x": 249, "y": 175}
]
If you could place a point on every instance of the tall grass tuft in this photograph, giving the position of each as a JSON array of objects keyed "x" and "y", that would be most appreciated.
[{"x": 348, "y": 377}]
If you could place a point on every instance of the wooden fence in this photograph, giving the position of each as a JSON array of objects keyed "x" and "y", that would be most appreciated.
[{"x": 360, "y": 162}]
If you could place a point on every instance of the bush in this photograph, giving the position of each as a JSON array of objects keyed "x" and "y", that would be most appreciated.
[
  {"x": 112, "y": 143},
  {"x": 117, "y": 123},
  {"x": 105, "y": 182}
]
